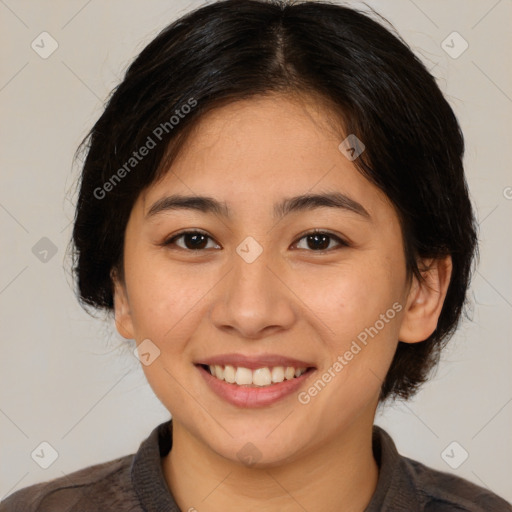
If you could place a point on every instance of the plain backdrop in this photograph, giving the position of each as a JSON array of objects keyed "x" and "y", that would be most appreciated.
[{"x": 70, "y": 380}]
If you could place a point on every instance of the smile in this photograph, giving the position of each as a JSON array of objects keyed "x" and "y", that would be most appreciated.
[
  {"x": 260, "y": 377},
  {"x": 254, "y": 382}
]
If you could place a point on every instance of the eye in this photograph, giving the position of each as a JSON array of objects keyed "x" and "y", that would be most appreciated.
[
  {"x": 196, "y": 240},
  {"x": 318, "y": 240},
  {"x": 192, "y": 240}
]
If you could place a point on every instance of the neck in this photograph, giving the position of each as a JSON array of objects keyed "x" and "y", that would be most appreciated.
[{"x": 341, "y": 471}]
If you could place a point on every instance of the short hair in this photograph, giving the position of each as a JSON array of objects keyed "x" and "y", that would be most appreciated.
[{"x": 238, "y": 49}]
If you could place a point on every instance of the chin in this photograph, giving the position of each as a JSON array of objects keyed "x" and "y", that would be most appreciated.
[{"x": 258, "y": 448}]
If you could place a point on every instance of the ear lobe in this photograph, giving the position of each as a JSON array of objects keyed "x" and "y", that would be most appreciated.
[
  {"x": 425, "y": 301},
  {"x": 122, "y": 312}
]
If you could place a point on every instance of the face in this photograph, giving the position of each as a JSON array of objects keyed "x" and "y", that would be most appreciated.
[{"x": 254, "y": 280}]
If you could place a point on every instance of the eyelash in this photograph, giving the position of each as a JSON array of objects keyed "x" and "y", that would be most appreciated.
[{"x": 341, "y": 242}]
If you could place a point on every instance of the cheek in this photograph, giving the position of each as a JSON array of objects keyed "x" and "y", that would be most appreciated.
[
  {"x": 167, "y": 305},
  {"x": 163, "y": 299},
  {"x": 362, "y": 311},
  {"x": 354, "y": 298}
]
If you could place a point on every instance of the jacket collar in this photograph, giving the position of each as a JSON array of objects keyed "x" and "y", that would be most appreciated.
[{"x": 395, "y": 492}]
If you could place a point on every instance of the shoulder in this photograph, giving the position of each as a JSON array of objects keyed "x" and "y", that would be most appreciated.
[
  {"x": 408, "y": 485},
  {"x": 89, "y": 489},
  {"x": 444, "y": 492}
]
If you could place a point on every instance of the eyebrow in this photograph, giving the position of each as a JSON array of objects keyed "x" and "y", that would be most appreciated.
[{"x": 305, "y": 202}]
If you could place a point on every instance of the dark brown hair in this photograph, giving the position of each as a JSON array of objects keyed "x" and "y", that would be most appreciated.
[{"x": 236, "y": 49}]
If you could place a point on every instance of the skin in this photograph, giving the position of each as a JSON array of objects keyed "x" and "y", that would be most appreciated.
[{"x": 294, "y": 300}]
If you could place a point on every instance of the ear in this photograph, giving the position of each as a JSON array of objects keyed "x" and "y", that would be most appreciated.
[
  {"x": 425, "y": 301},
  {"x": 123, "y": 317}
]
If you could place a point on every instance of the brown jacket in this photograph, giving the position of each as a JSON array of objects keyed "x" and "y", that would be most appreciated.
[{"x": 135, "y": 483}]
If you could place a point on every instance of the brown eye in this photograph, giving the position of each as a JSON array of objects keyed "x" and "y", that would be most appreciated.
[
  {"x": 192, "y": 240},
  {"x": 320, "y": 241}
]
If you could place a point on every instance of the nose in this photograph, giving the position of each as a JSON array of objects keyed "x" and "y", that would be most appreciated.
[{"x": 253, "y": 300}]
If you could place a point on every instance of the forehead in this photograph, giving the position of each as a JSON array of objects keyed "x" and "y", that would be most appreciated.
[{"x": 262, "y": 149}]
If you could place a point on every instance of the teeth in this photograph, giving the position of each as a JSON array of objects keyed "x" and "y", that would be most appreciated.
[
  {"x": 243, "y": 376},
  {"x": 289, "y": 373},
  {"x": 259, "y": 377},
  {"x": 229, "y": 374},
  {"x": 219, "y": 371},
  {"x": 278, "y": 374}
]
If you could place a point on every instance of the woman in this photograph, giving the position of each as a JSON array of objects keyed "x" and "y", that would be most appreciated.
[{"x": 273, "y": 205}]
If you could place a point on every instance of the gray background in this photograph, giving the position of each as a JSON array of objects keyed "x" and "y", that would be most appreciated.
[{"x": 72, "y": 381}]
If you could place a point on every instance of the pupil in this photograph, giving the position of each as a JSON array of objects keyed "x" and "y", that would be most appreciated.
[
  {"x": 323, "y": 245},
  {"x": 196, "y": 238}
]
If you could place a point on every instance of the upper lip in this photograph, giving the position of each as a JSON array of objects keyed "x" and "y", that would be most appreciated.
[{"x": 254, "y": 362}]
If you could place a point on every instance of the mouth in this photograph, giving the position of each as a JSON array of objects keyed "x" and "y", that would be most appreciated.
[
  {"x": 254, "y": 382},
  {"x": 259, "y": 377}
]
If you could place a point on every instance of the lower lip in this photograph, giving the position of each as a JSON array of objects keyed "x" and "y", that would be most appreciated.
[{"x": 249, "y": 396}]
